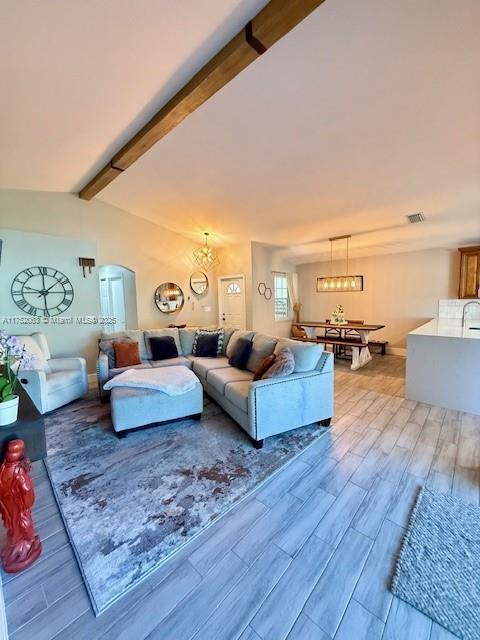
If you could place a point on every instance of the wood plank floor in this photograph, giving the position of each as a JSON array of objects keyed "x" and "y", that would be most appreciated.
[{"x": 308, "y": 557}]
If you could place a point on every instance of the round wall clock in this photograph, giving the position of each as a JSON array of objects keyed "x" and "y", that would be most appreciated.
[{"x": 42, "y": 291}]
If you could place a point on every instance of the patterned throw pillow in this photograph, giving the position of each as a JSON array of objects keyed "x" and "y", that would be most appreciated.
[
  {"x": 284, "y": 364},
  {"x": 264, "y": 367},
  {"x": 219, "y": 332}
]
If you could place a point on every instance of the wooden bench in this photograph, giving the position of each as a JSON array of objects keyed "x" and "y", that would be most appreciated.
[
  {"x": 379, "y": 343},
  {"x": 336, "y": 341},
  {"x": 350, "y": 341}
]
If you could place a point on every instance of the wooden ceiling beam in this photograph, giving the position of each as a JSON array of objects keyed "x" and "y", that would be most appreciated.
[{"x": 274, "y": 21}]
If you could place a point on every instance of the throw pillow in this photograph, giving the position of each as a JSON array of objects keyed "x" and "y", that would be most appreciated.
[
  {"x": 284, "y": 364},
  {"x": 217, "y": 332},
  {"x": 206, "y": 345},
  {"x": 136, "y": 335},
  {"x": 161, "y": 333},
  {"x": 241, "y": 353},
  {"x": 264, "y": 366},
  {"x": 163, "y": 347},
  {"x": 106, "y": 346},
  {"x": 306, "y": 354},
  {"x": 126, "y": 354},
  {"x": 236, "y": 335}
]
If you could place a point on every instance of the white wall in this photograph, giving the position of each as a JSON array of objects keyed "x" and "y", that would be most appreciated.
[
  {"x": 400, "y": 290},
  {"x": 265, "y": 260},
  {"x": 154, "y": 253}
]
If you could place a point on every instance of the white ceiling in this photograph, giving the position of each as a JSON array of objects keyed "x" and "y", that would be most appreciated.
[{"x": 366, "y": 112}]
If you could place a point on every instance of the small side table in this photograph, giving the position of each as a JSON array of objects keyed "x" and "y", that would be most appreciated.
[{"x": 30, "y": 427}]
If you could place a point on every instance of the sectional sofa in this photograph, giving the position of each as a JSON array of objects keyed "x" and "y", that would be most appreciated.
[{"x": 262, "y": 408}]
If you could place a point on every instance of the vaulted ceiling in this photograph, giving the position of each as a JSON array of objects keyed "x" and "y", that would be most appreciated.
[{"x": 367, "y": 111}]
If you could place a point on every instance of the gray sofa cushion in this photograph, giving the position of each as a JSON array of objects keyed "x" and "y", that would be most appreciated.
[
  {"x": 133, "y": 334},
  {"x": 219, "y": 378},
  {"x": 115, "y": 371},
  {"x": 306, "y": 354},
  {"x": 151, "y": 333},
  {"x": 235, "y": 337},
  {"x": 187, "y": 336},
  {"x": 201, "y": 366},
  {"x": 228, "y": 331},
  {"x": 237, "y": 393},
  {"x": 263, "y": 346},
  {"x": 172, "y": 362}
]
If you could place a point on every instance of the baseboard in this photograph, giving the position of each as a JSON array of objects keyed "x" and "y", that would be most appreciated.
[
  {"x": 3, "y": 616},
  {"x": 397, "y": 351}
]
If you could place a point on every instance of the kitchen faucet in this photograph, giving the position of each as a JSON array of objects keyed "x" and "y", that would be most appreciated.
[{"x": 464, "y": 316}]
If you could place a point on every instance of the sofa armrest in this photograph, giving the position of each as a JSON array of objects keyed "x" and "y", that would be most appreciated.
[
  {"x": 103, "y": 374},
  {"x": 71, "y": 364},
  {"x": 67, "y": 364},
  {"x": 34, "y": 381},
  {"x": 325, "y": 364},
  {"x": 280, "y": 404}
]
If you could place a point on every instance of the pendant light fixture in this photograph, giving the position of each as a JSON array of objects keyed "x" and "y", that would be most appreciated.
[
  {"x": 339, "y": 283},
  {"x": 205, "y": 256}
]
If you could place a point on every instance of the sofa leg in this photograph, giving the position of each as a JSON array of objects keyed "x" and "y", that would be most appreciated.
[
  {"x": 197, "y": 416},
  {"x": 258, "y": 444},
  {"x": 325, "y": 423},
  {"x": 121, "y": 434}
]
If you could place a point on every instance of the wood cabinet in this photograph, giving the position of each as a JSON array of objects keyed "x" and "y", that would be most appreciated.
[{"x": 469, "y": 272}]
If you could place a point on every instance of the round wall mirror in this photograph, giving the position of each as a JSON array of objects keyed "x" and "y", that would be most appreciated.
[
  {"x": 199, "y": 283},
  {"x": 169, "y": 297}
]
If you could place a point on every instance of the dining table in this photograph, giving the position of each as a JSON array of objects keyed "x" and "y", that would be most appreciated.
[{"x": 354, "y": 335}]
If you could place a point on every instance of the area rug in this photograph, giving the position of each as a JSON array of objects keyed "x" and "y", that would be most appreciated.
[
  {"x": 439, "y": 564},
  {"x": 130, "y": 504}
]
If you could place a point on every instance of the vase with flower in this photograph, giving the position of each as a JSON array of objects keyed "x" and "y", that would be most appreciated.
[{"x": 13, "y": 359}]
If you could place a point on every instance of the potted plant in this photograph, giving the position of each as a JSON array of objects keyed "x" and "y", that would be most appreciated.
[{"x": 13, "y": 358}]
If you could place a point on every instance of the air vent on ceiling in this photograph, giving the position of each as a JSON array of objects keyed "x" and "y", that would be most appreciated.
[{"x": 414, "y": 218}]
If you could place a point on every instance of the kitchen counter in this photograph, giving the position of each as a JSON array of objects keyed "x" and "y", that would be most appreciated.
[
  {"x": 443, "y": 364},
  {"x": 449, "y": 328}
]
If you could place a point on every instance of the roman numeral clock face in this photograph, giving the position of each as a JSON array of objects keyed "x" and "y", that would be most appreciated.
[{"x": 42, "y": 291}]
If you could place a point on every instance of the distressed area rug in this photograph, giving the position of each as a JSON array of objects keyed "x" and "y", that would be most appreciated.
[
  {"x": 130, "y": 504},
  {"x": 439, "y": 564}
]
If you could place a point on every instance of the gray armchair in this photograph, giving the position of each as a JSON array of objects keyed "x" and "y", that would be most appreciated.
[{"x": 53, "y": 382}]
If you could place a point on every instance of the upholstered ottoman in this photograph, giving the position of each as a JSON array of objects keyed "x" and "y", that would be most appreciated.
[{"x": 137, "y": 406}]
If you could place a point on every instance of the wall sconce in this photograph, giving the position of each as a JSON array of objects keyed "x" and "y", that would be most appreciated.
[{"x": 86, "y": 263}]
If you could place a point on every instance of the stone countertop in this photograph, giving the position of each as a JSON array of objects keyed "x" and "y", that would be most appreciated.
[{"x": 449, "y": 328}]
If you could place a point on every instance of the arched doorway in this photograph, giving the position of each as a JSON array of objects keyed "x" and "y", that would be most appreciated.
[{"x": 118, "y": 296}]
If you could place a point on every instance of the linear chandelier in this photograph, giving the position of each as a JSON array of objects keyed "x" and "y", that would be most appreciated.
[
  {"x": 205, "y": 256},
  {"x": 339, "y": 283}
]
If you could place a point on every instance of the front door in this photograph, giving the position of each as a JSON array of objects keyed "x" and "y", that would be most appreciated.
[{"x": 231, "y": 303}]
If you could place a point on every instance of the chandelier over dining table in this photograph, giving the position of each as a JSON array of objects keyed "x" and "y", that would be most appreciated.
[{"x": 347, "y": 283}]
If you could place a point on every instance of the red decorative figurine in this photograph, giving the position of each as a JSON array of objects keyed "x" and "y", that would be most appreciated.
[{"x": 23, "y": 545}]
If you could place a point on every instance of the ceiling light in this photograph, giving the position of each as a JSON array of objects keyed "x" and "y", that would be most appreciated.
[
  {"x": 205, "y": 256},
  {"x": 339, "y": 283}
]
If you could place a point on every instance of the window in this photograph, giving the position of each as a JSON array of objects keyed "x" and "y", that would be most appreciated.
[
  {"x": 281, "y": 297},
  {"x": 233, "y": 288}
]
